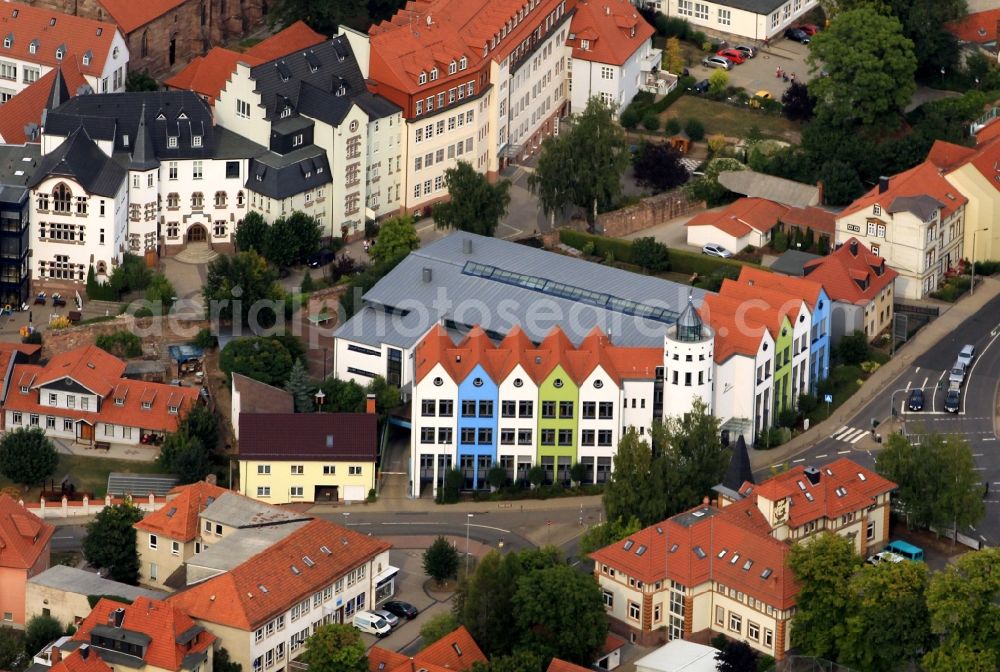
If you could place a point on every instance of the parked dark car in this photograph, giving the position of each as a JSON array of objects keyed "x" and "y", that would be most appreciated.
[
  {"x": 321, "y": 258},
  {"x": 700, "y": 87},
  {"x": 916, "y": 401},
  {"x": 401, "y": 609},
  {"x": 951, "y": 401},
  {"x": 798, "y": 35}
]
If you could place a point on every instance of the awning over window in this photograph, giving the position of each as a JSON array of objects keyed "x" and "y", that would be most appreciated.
[{"x": 385, "y": 575}]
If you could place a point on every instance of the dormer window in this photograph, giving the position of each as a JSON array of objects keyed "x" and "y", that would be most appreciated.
[
  {"x": 86, "y": 59},
  {"x": 24, "y": 389},
  {"x": 452, "y": 67},
  {"x": 172, "y": 410},
  {"x": 877, "y": 209},
  {"x": 52, "y": 21},
  {"x": 146, "y": 405},
  {"x": 119, "y": 401},
  {"x": 125, "y": 140},
  {"x": 196, "y": 141},
  {"x": 285, "y": 113},
  {"x": 59, "y": 54},
  {"x": 172, "y": 141},
  {"x": 463, "y": 63},
  {"x": 7, "y": 41},
  {"x": 341, "y": 90},
  {"x": 434, "y": 74},
  {"x": 585, "y": 45},
  {"x": 33, "y": 47},
  {"x": 423, "y": 78}
]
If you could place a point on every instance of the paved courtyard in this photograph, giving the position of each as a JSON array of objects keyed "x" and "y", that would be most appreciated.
[{"x": 757, "y": 74}]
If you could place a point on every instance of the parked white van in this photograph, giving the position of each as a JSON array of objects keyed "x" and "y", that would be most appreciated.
[{"x": 373, "y": 624}]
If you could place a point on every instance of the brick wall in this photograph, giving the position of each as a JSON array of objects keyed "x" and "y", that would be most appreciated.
[
  {"x": 155, "y": 332},
  {"x": 646, "y": 213}
]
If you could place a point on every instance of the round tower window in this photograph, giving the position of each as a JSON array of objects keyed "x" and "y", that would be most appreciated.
[
  {"x": 478, "y": 382},
  {"x": 557, "y": 383},
  {"x": 438, "y": 382},
  {"x": 518, "y": 382}
]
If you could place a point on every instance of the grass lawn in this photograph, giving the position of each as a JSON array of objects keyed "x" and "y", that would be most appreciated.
[
  {"x": 91, "y": 473},
  {"x": 729, "y": 120},
  {"x": 846, "y": 380}
]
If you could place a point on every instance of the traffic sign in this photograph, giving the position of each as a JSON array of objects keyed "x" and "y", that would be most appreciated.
[{"x": 828, "y": 398}]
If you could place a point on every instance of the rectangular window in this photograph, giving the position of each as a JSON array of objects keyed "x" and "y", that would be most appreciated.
[
  {"x": 524, "y": 437},
  {"x": 507, "y": 437},
  {"x": 870, "y": 530},
  {"x": 548, "y": 409},
  {"x": 565, "y": 409},
  {"x": 354, "y": 470},
  {"x": 588, "y": 410},
  {"x": 753, "y": 631},
  {"x": 701, "y": 11},
  {"x": 525, "y": 409},
  {"x": 720, "y": 615},
  {"x": 468, "y": 408},
  {"x": 565, "y": 437},
  {"x": 444, "y": 435},
  {"x": 609, "y": 598},
  {"x": 152, "y": 541},
  {"x": 768, "y": 638},
  {"x": 468, "y": 436},
  {"x": 175, "y": 548},
  {"x": 263, "y": 469},
  {"x": 426, "y": 435},
  {"x": 633, "y": 611},
  {"x": 427, "y": 407},
  {"x": 587, "y": 437},
  {"x": 604, "y": 437},
  {"x": 725, "y": 17},
  {"x": 548, "y": 437},
  {"x": 242, "y": 109},
  {"x": 508, "y": 409},
  {"x": 485, "y": 409},
  {"x": 485, "y": 436},
  {"x": 196, "y": 170},
  {"x": 735, "y": 622},
  {"x": 298, "y": 469},
  {"x": 263, "y": 491},
  {"x": 606, "y": 410},
  {"x": 446, "y": 407}
]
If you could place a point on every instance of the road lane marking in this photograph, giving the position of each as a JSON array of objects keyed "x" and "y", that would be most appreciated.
[
  {"x": 857, "y": 438},
  {"x": 977, "y": 454},
  {"x": 979, "y": 468},
  {"x": 843, "y": 452},
  {"x": 924, "y": 383},
  {"x": 989, "y": 438},
  {"x": 801, "y": 459},
  {"x": 820, "y": 457},
  {"x": 917, "y": 370},
  {"x": 490, "y": 527}
]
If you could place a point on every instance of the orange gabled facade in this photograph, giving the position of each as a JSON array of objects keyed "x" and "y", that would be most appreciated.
[{"x": 24, "y": 553}]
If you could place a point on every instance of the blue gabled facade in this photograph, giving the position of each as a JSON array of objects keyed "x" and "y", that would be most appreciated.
[
  {"x": 477, "y": 426},
  {"x": 819, "y": 341}
]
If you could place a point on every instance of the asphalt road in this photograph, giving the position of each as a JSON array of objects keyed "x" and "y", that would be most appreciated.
[{"x": 975, "y": 419}]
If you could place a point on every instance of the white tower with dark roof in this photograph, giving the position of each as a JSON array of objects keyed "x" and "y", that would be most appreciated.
[{"x": 688, "y": 363}]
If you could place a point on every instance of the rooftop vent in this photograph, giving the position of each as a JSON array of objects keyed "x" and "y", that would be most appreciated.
[
  {"x": 883, "y": 184},
  {"x": 467, "y": 245},
  {"x": 262, "y": 588},
  {"x": 295, "y": 570},
  {"x": 862, "y": 476},
  {"x": 766, "y": 573},
  {"x": 426, "y": 274}
]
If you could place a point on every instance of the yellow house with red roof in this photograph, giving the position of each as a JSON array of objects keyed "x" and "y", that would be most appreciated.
[{"x": 723, "y": 569}]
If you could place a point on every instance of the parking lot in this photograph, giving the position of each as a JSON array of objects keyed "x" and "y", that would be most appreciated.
[{"x": 757, "y": 74}]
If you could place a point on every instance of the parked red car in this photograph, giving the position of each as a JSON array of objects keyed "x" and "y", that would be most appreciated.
[
  {"x": 810, "y": 28},
  {"x": 732, "y": 54}
]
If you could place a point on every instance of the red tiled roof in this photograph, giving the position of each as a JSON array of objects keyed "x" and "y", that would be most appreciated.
[
  {"x": 49, "y": 30},
  {"x": 817, "y": 219},
  {"x": 130, "y": 413},
  {"x": 807, "y": 290},
  {"x": 455, "y": 651},
  {"x": 730, "y": 339},
  {"x": 978, "y": 28},
  {"x": 988, "y": 132},
  {"x": 90, "y": 366},
  {"x": 295, "y": 37},
  {"x": 27, "y": 107},
  {"x": 775, "y": 299},
  {"x": 76, "y": 661},
  {"x": 984, "y": 157},
  {"x": 614, "y": 28},
  {"x": 132, "y": 14},
  {"x": 945, "y": 155},
  {"x": 162, "y": 622},
  {"x": 843, "y": 486},
  {"x": 23, "y": 535},
  {"x": 178, "y": 518},
  {"x": 700, "y": 545},
  {"x": 838, "y": 270},
  {"x": 207, "y": 75},
  {"x": 742, "y": 216},
  {"x": 922, "y": 180},
  {"x": 265, "y": 585},
  {"x": 558, "y": 665}
]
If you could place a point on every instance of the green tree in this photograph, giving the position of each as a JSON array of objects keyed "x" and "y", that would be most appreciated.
[
  {"x": 841, "y": 184},
  {"x": 547, "y": 600},
  {"x": 736, "y": 657},
  {"x": 707, "y": 187},
  {"x": 386, "y": 396},
  {"x": 658, "y": 167},
  {"x": 606, "y": 534},
  {"x": 779, "y": 240},
  {"x": 160, "y": 291},
  {"x": 629, "y": 118},
  {"x": 496, "y": 477},
  {"x": 323, "y": 17},
  {"x": 870, "y": 66},
  {"x": 854, "y": 348},
  {"x": 633, "y": 491},
  {"x": 823, "y": 569},
  {"x": 925, "y": 23},
  {"x": 110, "y": 542},
  {"x": 308, "y": 233},
  {"x": 887, "y": 623},
  {"x": 964, "y": 604},
  {"x": 396, "y": 238},
  {"x": 184, "y": 456},
  {"x": 11, "y": 648},
  {"x": 673, "y": 58},
  {"x": 280, "y": 247},
  {"x": 27, "y": 456},
  {"x": 40, "y": 631},
  {"x": 300, "y": 387},
  {"x": 238, "y": 288},
  {"x": 717, "y": 82},
  {"x": 796, "y": 102},
  {"x": 441, "y": 560},
  {"x": 651, "y": 121},
  {"x": 436, "y": 627},
  {"x": 692, "y": 458},
  {"x": 258, "y": 357},
  {"x": 221, "y": 662},
  {"x": 203, "y": 424},
  {"x": 583, "y": 165},
  {"x": 694, "y": 128},
  {"x": 475, "y": 205},
  {"x": 140, "y": 81},
  {"x": 308, "y": 284},
  {"x": 650, "y": 254},
  {"x": 523, "y": 660},
  {"x": 336, "y": 647},
  {"x": 251, "y": 233}
]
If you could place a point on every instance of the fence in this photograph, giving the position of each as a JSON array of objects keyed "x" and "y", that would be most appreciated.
[{"x": 68, "y": 509}]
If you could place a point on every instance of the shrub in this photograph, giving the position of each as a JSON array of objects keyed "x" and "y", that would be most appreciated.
[
  {"x": 308, "y": 284},
  {"x": 853, "y": 348},
  {"x": 453, "y": 482},
  {"x": 122, "y": 344},
  {"x": 779, "y": 240},
  {"x": 682, "y": 261},
  {"x": 695, "y": 130},
  {"x": 673, "y": 126},
  {"x": 788, "y": 417},
  {"x": 650, "y": 254},
  {"x": 807, "y": 403},
  {"x": 621, "y": 249},
  {"x": 650, "y": 121},
  {"x": 206, "y": 339},
  {"x": 987, "y": 267},
  {"x": 629, "y": 118},
  {"x": 60, "y": 322}
]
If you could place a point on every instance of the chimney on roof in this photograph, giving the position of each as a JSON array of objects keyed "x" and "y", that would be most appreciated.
[
  {"x": 812, "y": 473},
  {"x": 55, "y": 655},
  {"x": 467, "y": 245},
  {"x": 119, "y": 616},
  {"x": 211, "y": 479},
  {"x": 370, "y": 404},
  {"x": 84, "y": 651},
  {"x": 883, "y": 184},
  {"x": 427, "y": 274},
  {"x": 854, "y": 248}
]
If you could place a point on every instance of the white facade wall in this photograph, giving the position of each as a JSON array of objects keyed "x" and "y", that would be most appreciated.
[
  {"x": 637, "y": 405},
  {"x": 611, "y": 83},
  {"x": 801, "y": 329},
  {"x": 360, "y": 362},
  {"x": 229, "y": 110},
  {"x": 518, "y": 454},
  {"x": 346, "y": 149},
  {"x": 115, "y": 68},
  {"x": 689, "y": 371},
  {"x": 98, "y": 235},
  {"x": 599, "y": 388},
  {"x": 535, "y": 89},
  {"x": 702, "y": 235},
  {"x": 718, "y": 17},
  {"x": 445, "y": 137},
  {"x": 143, "y": 209},
  {"x": 180, "y": 177},
  {"x": 426, "y": 389},
  {"x": 313, "y": 202},
  {"x": 384, "y": 163}
]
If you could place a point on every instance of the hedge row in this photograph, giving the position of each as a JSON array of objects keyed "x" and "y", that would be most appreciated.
[{"x": 681, "y": 261}]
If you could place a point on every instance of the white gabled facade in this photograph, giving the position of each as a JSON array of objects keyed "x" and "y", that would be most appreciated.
[
  {"x": 434, "y": 443},
  {"x": 600, "y": 417},
  {"x": 518, "y": 393}
]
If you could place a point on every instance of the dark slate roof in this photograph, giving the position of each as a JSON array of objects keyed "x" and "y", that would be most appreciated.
[
  {"x": 59, "y": 93},
  {"x": 80, "y": 158},
  {"x": 321, "y": 82},
  {"x": 284, "y": 175},
  {"x": 18, "y": 164},
  {"x": 756, "y": 6},
  {"x": 922, "y": 206},
  {"x": 115, "y": 117},
  {"x": 143, "y": 155},
  {"x": 739, "y": 471},
  {"x": 792, "y": 262},
  {"x": 229, "y": 145},
  {"x": 308, "y": 436}
]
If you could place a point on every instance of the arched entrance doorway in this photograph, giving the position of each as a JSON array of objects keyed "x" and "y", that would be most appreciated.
[{"x": 197, "y": 233}]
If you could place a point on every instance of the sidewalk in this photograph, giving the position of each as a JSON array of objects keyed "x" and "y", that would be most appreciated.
[
  {"x": 946, "y": 323},
  {"x": 426, "y": 504}
]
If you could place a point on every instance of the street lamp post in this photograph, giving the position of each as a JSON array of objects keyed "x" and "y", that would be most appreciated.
[
  {"x": 468, "y": 520},
  {"x": 320, "y": 397},
  {"x": 972, "y": 287}
]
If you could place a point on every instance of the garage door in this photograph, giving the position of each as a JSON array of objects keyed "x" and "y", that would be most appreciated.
[{"x": 354, "y": 493}]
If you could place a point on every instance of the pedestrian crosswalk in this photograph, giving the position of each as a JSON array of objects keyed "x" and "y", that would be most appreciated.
[{"x": 849, "y": 434}]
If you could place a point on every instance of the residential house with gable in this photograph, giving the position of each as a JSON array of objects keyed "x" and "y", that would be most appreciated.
[
  {"x": 37, "y": 40},
  {"x": 612, "y": 54},
  {"x": 171, "y": 535},
  {"x": 916, "y": 221},
  {"x": 263, "y": 609},
  {"x": 724, "y": 569},
  {"x": 22, "y": 115},
  {"x": 455, "y": 652},
  {"x": 81, "y": 396},
  {"x": 24, "y": 553},
  {"x": 861, "y": 286},
  {"x": 316, "y": 457}
]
